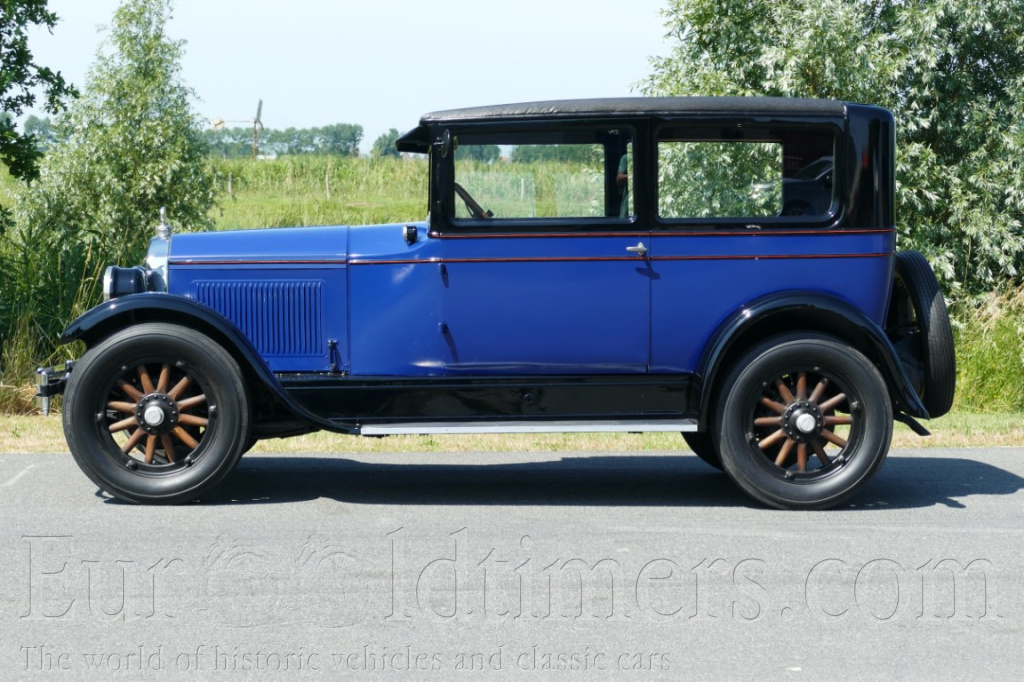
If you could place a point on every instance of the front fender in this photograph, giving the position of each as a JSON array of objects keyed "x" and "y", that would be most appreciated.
[
  {"x": 103, "y": 320},
  {"x": 804, "y": 310}
]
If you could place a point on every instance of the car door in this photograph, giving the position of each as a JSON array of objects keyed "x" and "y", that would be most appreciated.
[
  {"x": 736, "y": 222},
  {"x": 544, "y": 269}
]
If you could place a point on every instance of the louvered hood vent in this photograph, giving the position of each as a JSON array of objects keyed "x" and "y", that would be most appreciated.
[{"x": 280, "y": 318}]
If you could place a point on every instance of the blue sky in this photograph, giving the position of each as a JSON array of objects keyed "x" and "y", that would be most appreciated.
[{"x": 381, "y": 64}]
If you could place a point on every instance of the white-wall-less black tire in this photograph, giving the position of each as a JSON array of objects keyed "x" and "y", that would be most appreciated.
[
  {"x": 804, "y": 421},
  {"x": 156, "y": 414},
  {"x": 703, "y": 445},
  {"x": 917, "y": 313}
]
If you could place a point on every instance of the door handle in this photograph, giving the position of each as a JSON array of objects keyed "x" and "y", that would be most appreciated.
[{"x": 639, "y": 249}]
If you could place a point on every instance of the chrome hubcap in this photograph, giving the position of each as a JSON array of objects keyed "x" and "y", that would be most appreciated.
[
  {"x": 806, "y": 423},
  {"x": 153, "y": 416}
]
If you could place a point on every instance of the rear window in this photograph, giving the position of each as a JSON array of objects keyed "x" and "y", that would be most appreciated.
[{"x": 753, "y": 173}]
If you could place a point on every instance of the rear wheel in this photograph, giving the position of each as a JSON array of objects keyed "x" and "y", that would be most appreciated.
[
  {"x": 804, "y": 422},
  {"x": 156, "y": 414}
]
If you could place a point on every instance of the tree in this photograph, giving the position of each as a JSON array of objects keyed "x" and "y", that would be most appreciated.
[
  {"x": 42, "y": 131},
  {"x": 564, "y": 153},
  {"x": 484, "y": 153},
  {"x": 128, "y": 146},
  {"x": 384, "y": 145},
  {"x": 952, "y": 72},
  {"x": 341, "y": 139},
  {"x": 230, "y": 143},
  {"x": 21, "y": 78}
]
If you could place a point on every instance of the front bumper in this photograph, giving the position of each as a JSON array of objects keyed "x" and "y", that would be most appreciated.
[{"x": 51, "y": 381}]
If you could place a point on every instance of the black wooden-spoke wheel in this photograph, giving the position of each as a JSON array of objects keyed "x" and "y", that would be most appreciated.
[
  {"x": 157, "y": 413},
  {"x": 158, "y": 422},
  {"x": 804, "y": 422}
]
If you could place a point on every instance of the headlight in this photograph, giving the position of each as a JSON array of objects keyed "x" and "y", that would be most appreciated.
[
  {"x": 123, "y": 281},
  {"x": 156, "y": 261}
]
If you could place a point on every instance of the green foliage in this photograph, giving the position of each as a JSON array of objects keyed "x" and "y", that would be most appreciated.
[
  {"x": 568, "y": 153},
  {"x": 951, "y": 71},
  {"x": 128, "y": 146},
  {"x": 719, "y": 179},
  {"x": 234, "y": 143},
  {"x": 21, "y": 78},
  {"x": 385, "y": 145},
  {"x": 43, "y": 130},
  {"x": 484, "y": 153},
  {"x": 990, "y": 352}
]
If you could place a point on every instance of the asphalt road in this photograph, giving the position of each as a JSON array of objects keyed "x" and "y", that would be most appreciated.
[{"x": 488, "y": 566}]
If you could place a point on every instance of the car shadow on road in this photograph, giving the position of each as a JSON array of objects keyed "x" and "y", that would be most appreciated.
[
  {"x": 643, "y": 481},
  {"x": 599, "y": 481}
]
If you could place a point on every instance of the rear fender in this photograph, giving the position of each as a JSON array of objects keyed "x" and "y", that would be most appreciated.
[{"x": 810, "y": 311}]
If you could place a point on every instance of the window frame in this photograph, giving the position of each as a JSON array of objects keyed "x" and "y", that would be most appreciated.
[
  {"x": 831, "y": 218},
  {"x": 447, "y": 223}
]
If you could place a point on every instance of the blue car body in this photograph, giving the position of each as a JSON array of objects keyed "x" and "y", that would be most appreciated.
[{"x": 618, "y": 281}]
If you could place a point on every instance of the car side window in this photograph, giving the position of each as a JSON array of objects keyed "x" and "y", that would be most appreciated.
[
  {"x": 529, "y": 175},
  {"x": 752, "y": 173}
]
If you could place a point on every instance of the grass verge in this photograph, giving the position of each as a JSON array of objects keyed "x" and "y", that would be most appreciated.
[{"x": 23, "y": 434}]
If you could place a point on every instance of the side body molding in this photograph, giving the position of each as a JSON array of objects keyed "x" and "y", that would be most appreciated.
[
  {"x": 106, "y": 319},
  {"x": 803, "y": 311}
]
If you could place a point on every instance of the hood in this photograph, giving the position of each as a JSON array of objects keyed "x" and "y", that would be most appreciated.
[{"x": 275, "y": 245}]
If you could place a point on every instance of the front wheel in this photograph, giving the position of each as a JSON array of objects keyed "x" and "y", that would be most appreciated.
[
  {"x": 703, "y": 445},
  {"x": 804, "y": 422},
  {"x": 157, "y": 413}
]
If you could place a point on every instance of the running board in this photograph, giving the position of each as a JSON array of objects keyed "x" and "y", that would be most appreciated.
[{"x": 596, "y": 426}]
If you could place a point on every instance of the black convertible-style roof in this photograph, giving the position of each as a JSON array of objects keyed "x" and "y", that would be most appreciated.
[
  {"x": 633, "y": 106},
  {"x": 416, "y": 139}
]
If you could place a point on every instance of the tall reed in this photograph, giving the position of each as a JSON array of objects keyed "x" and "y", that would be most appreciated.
[{"x": 990, "y": 352}]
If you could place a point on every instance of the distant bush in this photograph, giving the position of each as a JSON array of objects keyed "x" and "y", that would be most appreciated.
[{"x": 340, "y": 139}]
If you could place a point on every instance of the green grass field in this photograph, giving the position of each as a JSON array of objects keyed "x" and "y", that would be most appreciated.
[{"x": 315, "y": 190}]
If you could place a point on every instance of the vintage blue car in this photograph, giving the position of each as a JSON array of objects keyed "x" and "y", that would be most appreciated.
[{"x": 638, "y": 264}]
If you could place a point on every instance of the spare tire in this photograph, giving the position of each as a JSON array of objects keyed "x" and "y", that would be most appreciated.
[{"x": 918, "y": 325}]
